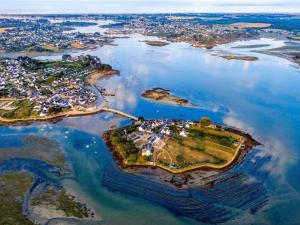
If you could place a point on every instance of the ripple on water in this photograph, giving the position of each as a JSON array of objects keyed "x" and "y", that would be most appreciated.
[{"x": 221, "y": 200}]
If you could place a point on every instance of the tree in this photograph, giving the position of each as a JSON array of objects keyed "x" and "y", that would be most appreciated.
[
  {"x": 46, "y": 91},
  {"x": 180, "y": 160},
  {"x": 205, "y": 121},
  {"x": 201, "y": 147},
  {"x": 132, "y": 158},
  {"x": 141, "y": 119}
]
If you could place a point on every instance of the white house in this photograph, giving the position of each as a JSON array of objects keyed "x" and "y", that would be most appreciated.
[{"x": 183, "y": 133}]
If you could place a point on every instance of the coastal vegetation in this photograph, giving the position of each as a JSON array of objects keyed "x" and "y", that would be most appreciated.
[
  {"x": 60, "y": 203},
  {"x": 126, "y": 148},
  {"x": 19, "y": 109},
  {"x": 12, "y": 192}
]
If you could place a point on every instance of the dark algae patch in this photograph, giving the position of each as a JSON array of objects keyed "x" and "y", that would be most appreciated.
[
  {"x": 36, "y": 147},
  {"x": 58, "y": 199}
]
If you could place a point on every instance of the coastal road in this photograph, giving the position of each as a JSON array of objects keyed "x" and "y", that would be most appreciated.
[{"x": 119, "y": 113}]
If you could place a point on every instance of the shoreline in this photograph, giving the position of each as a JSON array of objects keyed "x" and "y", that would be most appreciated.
[
  {"x": 50, "y": 118},
  {"x": 92, "y": 79},
  {"x": 62, "y": 116}
]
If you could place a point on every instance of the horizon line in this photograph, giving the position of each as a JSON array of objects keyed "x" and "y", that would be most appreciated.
[{"x": 141, "y": 13}]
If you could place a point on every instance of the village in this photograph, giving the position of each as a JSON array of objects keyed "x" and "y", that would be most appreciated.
[
  {"x": 42, "y": 35},
  {"x": 199, "y": 30},
  {"x": 176, "y": 145},
  {"x": 47, "y": 87},
  {"x": 150, "y": 134}
]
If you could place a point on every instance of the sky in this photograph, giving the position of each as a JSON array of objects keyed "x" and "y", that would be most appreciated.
[{"x": 147, "y": 6}]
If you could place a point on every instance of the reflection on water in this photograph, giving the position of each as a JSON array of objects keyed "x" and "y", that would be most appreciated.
[{"x": 261, "y": 97}]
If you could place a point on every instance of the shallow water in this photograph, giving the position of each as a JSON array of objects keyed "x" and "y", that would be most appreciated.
[{"x": 260, "y": 97}]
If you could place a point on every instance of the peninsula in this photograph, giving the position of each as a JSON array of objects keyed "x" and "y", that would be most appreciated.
[
  {"x": 178, "y": 146},
  {"x": 164, "y": 96},
  {"x": 41, "y": 90}
]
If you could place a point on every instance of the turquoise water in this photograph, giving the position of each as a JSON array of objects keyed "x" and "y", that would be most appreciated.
[{"x": 261, "y": 97}]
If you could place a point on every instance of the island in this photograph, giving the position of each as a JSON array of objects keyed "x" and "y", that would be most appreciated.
[
  {"x": 240, "y": 57},
  {"x": 157, "y": 43},
  {"x": 250, "y": 25},
  {"x": 40, "y": 90},
  {"x": 178, "y": 146},
  {"x": 164, "y": 96}
]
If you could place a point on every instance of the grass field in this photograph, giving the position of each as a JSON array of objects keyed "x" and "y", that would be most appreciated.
[
  {"x": 250, "y": 25},
  {"x": 7, "y": 105},
  {"x": 178, "y": 147},
  {"x": 20, "y": 109},
  {"x": 17, "y": 109},
  {"x": 193, "y": 150}
]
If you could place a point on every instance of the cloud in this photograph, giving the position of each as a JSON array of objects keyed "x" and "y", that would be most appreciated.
[{"x": 236, "y": 123}]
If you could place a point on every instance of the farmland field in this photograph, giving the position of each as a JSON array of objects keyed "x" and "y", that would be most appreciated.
[{"x": 195, "y": 150}]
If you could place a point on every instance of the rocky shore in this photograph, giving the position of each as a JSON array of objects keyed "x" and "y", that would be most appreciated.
[
  {"x": 240, "y": 57},
  {"x": 164, "y": 96}
]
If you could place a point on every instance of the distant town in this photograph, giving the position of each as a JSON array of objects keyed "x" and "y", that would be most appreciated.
[
  {"x": 201, "y": 30},
  {"x": 42, "y": 35}
]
